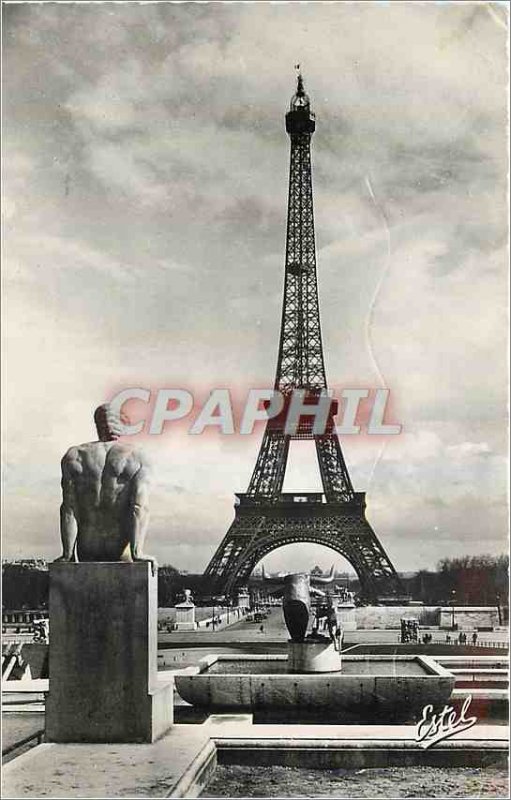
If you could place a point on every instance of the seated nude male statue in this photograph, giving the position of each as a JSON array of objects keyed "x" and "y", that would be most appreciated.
[{"x": 105, "y": 486}]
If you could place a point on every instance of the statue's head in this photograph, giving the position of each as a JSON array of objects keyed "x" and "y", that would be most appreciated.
[{"x": 109, "y": 423}]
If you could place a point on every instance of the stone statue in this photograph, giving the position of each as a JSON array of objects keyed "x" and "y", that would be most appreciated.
[
  {"x": 326, "y": 620},
  {"x": 105, "y": 486}
]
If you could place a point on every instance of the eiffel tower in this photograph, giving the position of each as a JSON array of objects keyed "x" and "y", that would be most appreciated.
[{"x": 265, "y": 517}]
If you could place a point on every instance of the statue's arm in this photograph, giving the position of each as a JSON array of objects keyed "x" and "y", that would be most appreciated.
[
  {"x": 68, "y": 523},
  {"x": 139, "y": 515}
]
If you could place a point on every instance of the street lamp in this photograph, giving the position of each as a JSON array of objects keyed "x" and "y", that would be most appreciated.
[
  {"x": 453, "y": 593},
  {"x": 497, "y": 598}
]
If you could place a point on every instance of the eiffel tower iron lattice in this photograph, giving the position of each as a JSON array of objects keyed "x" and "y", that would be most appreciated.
[{"x": 266, "y": 518}]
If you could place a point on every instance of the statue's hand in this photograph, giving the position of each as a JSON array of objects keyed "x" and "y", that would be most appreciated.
[{"x": 148, "y": 559}]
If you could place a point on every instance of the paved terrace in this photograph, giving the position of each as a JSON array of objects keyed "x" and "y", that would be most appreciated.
[
  {"x": 179, "y": 764},
  {"x": 248, "y": 636}
]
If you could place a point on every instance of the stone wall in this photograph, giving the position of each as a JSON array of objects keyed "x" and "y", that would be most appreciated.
[
  {"x": 203, "y": 617},
  {"x": 389, "y": 616},
  {"x": 470, "y": 617}
]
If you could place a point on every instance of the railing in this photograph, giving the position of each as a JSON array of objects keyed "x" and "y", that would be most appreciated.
[
  {"x": 37, "y": 737},
  {"x": 490, "y": 644},
  {"x": 468, "y": 643},
  {"x": 456, "y": 643},
  {"x": 23, "y": 617}
]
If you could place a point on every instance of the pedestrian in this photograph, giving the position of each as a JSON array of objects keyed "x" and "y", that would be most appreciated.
[
  {"x": 474, "y": 638},
  {"x": 447, "y": 639},
  {"x": 261, "y": 629}
]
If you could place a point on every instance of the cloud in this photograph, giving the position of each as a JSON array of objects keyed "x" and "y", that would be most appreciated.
[{"x": 469, "y": 448}]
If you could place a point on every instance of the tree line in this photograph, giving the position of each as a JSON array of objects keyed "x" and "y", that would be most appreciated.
[
  {"x": 25, "y": 587},
  {"x": 467, "y": 580},
  {"x": 464, "y": 581}
]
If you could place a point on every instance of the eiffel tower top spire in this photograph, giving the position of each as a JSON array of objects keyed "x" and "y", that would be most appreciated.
[
  {"x": 300, "y": 119},
  {"x": 300, "y": 99}
]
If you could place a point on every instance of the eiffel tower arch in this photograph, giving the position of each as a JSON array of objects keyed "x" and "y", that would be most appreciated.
[
  {"x": 267, "y": 518},
  {"x": 298, "y": 518}
]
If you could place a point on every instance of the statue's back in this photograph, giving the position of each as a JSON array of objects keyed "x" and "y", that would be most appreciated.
[{"x": 102, "y": 474}]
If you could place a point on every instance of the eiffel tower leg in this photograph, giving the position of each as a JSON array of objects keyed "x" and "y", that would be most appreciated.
[
  {"x": 268, "y": 475},
  {"x": 365, "y": 553},
  {"x": 223, "y": 571},
  {"x": 334, "y": 473}
]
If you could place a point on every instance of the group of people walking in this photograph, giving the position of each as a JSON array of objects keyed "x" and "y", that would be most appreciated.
[
  {"x": 461, "y": 638},
  {"x": 410, "y": 633}
]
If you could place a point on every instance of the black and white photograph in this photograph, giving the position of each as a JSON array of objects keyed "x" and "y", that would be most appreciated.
[{"x": 255, "y": 399}]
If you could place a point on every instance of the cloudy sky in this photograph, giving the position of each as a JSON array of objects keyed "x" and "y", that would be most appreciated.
[{"x": 145, "y": 190}]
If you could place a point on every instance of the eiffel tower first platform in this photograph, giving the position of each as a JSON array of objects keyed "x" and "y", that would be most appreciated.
[{"x": 266, "y": 518}]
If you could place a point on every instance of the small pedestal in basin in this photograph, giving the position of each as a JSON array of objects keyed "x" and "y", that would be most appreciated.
[{"x": 310, "y": 657}]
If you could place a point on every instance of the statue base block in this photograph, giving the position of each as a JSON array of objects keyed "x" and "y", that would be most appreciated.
[
  {"x": 103, "y": 655},
  {"x": 309, "y": 657}
]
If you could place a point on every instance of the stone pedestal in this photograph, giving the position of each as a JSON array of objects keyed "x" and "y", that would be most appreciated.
[
  {"x": 313, "y": 657},
  {"x": 103, "y": 649},
  {"x": 185, "y": 616},
  {"x": 347, "y": 616}
]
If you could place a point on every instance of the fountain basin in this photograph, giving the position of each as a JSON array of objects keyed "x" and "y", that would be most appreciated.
[{"x": 368, "y": 686}]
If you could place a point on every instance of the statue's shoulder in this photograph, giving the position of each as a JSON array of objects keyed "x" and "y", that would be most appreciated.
[
  {"x": 71, "y": 463},
  {"x": 78, "y": 453},
  {"x": 141, "y": 462},
  {"x": 71, "y": 455},
  {"x": 127, "y": 453},
  {"x": 142, "y": 458}
]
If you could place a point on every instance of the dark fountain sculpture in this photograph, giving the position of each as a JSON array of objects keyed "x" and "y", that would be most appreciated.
[{"x": 319, "y": 650}]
